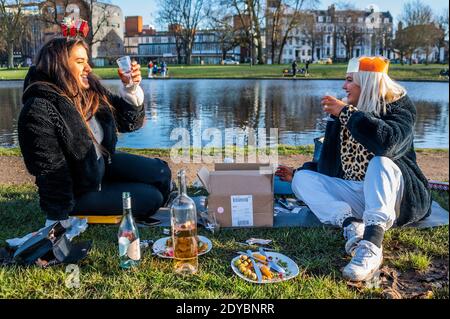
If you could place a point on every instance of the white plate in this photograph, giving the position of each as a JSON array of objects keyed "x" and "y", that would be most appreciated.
[
  {"x": 160, "y": 247},
  {"x": 292, "y": 270}
]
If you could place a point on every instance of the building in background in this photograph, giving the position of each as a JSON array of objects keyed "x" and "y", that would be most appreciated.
[
  {"x": 109, "y": 41},
  {"x": 145, "y": 43},
  {"x": 133, "y": 26},
  {"x": 135, "y": 33},
  {"x": 335, "y": 33}
]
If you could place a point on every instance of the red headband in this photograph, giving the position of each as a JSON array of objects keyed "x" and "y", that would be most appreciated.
[{"x": 74, "y": 27}]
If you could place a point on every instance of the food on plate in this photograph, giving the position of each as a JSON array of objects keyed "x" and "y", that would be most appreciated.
[
  {"x": 259, "y": 257},
  {"x": 266, "y": 272},
  {"x": 246, "y": 268}
]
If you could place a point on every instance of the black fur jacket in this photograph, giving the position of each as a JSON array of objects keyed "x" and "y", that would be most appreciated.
[
  {"x": 390, "y": 135},
  {"x": 56, "y": 145}
]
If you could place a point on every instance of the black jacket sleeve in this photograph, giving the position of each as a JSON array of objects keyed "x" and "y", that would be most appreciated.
[
  {"x": 390, "y": 135},
  {"x": 44, "y": 158},
  {"x": 311, "y": 166},
  {"x": 128, "y": 117}
]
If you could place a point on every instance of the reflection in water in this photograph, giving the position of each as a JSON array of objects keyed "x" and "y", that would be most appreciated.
[{"x": 291, "y": 106}]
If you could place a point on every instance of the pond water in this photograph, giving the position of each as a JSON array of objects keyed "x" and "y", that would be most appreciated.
[{"x": 293, "y": 107}]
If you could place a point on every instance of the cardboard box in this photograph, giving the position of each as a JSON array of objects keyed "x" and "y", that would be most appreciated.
[{"x": 240, "y": 195}]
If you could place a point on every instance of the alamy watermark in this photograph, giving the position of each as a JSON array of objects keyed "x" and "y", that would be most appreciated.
[{"x": 212, "y": 145}]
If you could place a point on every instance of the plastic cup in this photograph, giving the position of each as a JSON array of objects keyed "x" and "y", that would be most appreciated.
[{"x": 124, "y": 64}]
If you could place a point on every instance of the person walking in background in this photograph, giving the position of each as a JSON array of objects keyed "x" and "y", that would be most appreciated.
[
  {"x": 150, "y": 69},
  {"x": 294, "y": 68},
  {"x": 163, "y": 69},
  {"x": 307, "y": 67}
]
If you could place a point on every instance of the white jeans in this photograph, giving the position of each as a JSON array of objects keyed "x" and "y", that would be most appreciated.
[{"x": 376, "y": 200}]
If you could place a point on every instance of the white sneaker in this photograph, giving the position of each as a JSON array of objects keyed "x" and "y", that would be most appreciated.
[
  {"x": 367, "y": 260},
  {"x": 353, "y": 234}
]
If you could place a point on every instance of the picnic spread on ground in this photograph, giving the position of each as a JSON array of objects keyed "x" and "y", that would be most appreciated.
[{"x": 256, "y": 262}]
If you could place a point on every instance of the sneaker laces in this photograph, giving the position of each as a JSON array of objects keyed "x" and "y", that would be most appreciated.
[
  {"x": 363, "y": 252},
  {"x": 351, "y": 231}
]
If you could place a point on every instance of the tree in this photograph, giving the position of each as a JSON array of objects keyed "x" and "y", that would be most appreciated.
[
  {"x": 250, "y": 16},
  {"x": 442, "y": 22},
  {"x": 382, "y": 38},
  {"x": 349, "y": 31},
  {"x": 187, "y": 15},
  {"x": 282, "y": 18},
  {"x": 420, "y": 32},
  {"x": 413, "y": 37},
  {"x": 401, "y": 44},
  {"x": 311, "y": 31},
  {"x": 430, "y": 34},
  {"x": 13, "y": 25},
  {"x": 416, "y": 13},
  {"x": 221, "y": 22},
  {"x": 171, "y": 15},
  {"x": 255, "y": 9}
]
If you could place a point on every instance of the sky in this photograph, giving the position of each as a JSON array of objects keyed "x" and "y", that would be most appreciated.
[{"x": 148, "y": 9}]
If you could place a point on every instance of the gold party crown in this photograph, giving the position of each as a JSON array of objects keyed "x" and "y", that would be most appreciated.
[{"x": 368, "y": 64}]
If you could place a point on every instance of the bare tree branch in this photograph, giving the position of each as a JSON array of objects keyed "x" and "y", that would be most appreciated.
[
  {"x": 185, "y": 16},
  {"x": 13, "y": 23}
]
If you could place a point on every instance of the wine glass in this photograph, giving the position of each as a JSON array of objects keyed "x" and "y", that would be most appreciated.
[{"x": 328, "y": 117}]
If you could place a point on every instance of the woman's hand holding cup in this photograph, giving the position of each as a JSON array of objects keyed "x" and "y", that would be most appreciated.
[
  {"x": 332, "y": 105},
  {"x": 129, "y": 72}
]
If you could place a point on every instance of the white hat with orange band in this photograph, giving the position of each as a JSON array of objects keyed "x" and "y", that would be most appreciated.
[{"x": 368, "y": 64}]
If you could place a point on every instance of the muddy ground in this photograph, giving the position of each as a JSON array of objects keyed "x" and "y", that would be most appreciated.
[{"x": 434, "y": 165}]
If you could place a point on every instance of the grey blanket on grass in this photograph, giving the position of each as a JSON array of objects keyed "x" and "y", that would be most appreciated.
[{"x": 305, "y": 218}]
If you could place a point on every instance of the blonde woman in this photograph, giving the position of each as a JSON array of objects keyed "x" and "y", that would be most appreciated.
[{"x": 367, "y": 178}]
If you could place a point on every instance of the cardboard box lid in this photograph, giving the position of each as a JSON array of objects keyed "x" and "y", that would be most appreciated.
[
  {"x": 264, "y": 168},
  {"x": 236, "y": 171},
  {"x": 240, "y": 183}
]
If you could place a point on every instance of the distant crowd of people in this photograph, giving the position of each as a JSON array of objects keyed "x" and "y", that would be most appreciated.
[{"x": 157, "y": 69}]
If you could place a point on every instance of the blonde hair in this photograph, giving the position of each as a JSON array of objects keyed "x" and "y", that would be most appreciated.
[{"x": 377, "y": 90}]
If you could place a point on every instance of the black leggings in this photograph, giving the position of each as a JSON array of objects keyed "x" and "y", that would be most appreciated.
[{"x": 147, "y": 179}]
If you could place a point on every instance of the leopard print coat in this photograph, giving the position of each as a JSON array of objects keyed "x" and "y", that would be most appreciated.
[{"x": 354, "y": 156}]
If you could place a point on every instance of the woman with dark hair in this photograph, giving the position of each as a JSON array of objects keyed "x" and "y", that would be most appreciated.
[{"x": 68, "y": 133}]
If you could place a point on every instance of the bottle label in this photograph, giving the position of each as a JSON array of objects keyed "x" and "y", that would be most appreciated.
[
  {"x": 134, "y": 250},
  {"x": 124, "y": 243},
  {"x": 126, "y": 203}
]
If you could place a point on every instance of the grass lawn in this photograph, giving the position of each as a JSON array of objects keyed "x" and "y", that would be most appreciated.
[
  {"x": 319, "y": 253},
  {"x": 282, "y": 150},
  {"x": 335, "y": 71}
]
